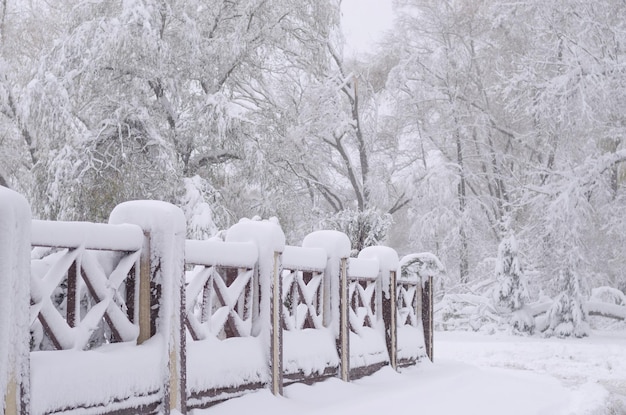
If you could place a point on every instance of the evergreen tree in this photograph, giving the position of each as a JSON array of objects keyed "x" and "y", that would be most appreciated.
[
  {"x": 511, "y": 292},
  {"x": 567, "y": 315}
]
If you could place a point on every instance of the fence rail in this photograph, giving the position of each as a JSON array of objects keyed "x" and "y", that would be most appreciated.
[{"x": 129, "y": 317}]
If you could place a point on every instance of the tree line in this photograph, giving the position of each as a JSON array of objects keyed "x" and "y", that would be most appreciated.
[{"x": 471, "y": 121}]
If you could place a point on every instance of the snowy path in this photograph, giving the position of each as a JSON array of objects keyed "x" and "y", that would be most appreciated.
[{"x": 473, "y": 374}]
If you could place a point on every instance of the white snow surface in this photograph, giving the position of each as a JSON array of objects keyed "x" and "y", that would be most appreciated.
[
  {"x": 336, "y": 244},
  {"x": 229, "y": 362},
  {"x": 411, "y": 341},
  {"x": 267, "y": 234},
  {"x": 363, "y": 267},
  {"x": 387, "y": 257},
  {"x": 473, "y": 374},
  {"x": 66, "y": 378},
  {"x": 309, "y": 351},
  {"x": 428, "y": 265},
  {"x": 215, "y": 252},
  {"x": 304, "y": 259},
  {"x": 387, "y": 261},
  {"x": 86, "y": 234}
]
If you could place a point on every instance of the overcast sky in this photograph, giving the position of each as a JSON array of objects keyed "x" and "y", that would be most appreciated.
[{"x": 363, "y": 22}]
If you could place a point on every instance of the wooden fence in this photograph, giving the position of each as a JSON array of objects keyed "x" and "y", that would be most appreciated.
[{"x": 129, "y": 317}]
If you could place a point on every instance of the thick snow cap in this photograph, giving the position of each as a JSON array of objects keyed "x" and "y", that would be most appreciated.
[
  {"x": 336, "y": 244},
  {"x": 387, "y": 257},
  {"x": 90, "y": 235},
  {"x": 363, "y": 267},
  {"x": 267, "y": 234},
  {"x": 387, "y": 261},
  {"x": 216, "y": 252},
  {"x": 423, "y": 264},
  {"x": 306, "y": 259},
  {"x": 150, "y": 215}
]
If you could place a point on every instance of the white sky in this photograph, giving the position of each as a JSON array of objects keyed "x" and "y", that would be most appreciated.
[{"x": 363, "y": 23}]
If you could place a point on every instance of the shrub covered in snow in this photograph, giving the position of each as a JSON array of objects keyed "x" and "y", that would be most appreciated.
[{"x": 364, "y": 228}]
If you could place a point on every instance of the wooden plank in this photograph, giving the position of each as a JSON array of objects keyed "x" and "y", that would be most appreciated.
[
  {"x": 123, "y": 406},
  {"x": 344, "y": 323},
  {"x": 92, "y": 291},
  {"x": 427, "y": 316},
  {"x": 301, "y": 377},
  {"x": 71, "y": 301},
  {"x": 10, "y": 398},
  {"x": 276, "y": 348},
  {"x": 48, "y": 330},
  {"x": 145, "y": 312},
  {"x": 362, "y": 371},
  {"x": 182, "y": 381},
  {"x": 207, "y": 398},
  {"x": 393, "y": 329}
]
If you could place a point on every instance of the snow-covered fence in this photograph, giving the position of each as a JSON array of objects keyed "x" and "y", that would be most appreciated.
[
  {"x": 94, "y": 285},
  {"x": 368, "y": 348},
  {"x": 225, "y": 355},
  {"x": 105, "y": 311},
  {"x": 97, "y": 265},
  {"x": 118, "y": 326},
  {"x": 309, "y": 348},
  {"x": 414, "y": 313}
]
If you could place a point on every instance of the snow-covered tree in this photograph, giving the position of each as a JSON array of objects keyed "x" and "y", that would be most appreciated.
[
  {"x": 364, "y": 228},
  {"x": 568, "y": 316},
  {"x": 510, "y": 292}
]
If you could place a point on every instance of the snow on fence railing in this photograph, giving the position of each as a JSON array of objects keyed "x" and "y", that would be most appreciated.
[
  {"x": 115, "y": 315},
  {"x": 309, "y": 348},
  {"x": 368, "y": 350},
  {"x": 105, "y": 311},
  {"x": 225, "y": 357},
  {"x": 97, "y": 266}
]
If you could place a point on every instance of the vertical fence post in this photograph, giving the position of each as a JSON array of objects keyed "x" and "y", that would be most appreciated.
[
  {"x": 344, "y": 322},
  {"x": 146, "y": 299},
  {"x": 277, "y": 328},
  {"x": 427, "y": 316},
  {"x": 161, "y": 288},
  {"x": 15, "y": 223},
  {"x": 392, "y": 318}
]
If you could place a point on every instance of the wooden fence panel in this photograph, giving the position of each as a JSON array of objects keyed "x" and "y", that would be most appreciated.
[{"x": 309, "y": 347}]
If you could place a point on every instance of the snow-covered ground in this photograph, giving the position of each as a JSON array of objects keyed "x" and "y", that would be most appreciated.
[{"x": 472, "y": 374}]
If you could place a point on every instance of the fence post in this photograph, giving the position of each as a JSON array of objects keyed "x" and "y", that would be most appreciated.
[
  {"x": 15, "y": 223},
  {"x": 276, "y": 347},
  {"x": 161, "y": 288},
  {"x": 427, "y": 316},
  {"x": 392, "y": 341},
  {"x": 344, "y": 322}
]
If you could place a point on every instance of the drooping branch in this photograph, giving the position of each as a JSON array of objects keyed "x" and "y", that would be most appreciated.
[
  {"x": 215, "y": 158},
  {"x": 400, "y": 202}
]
